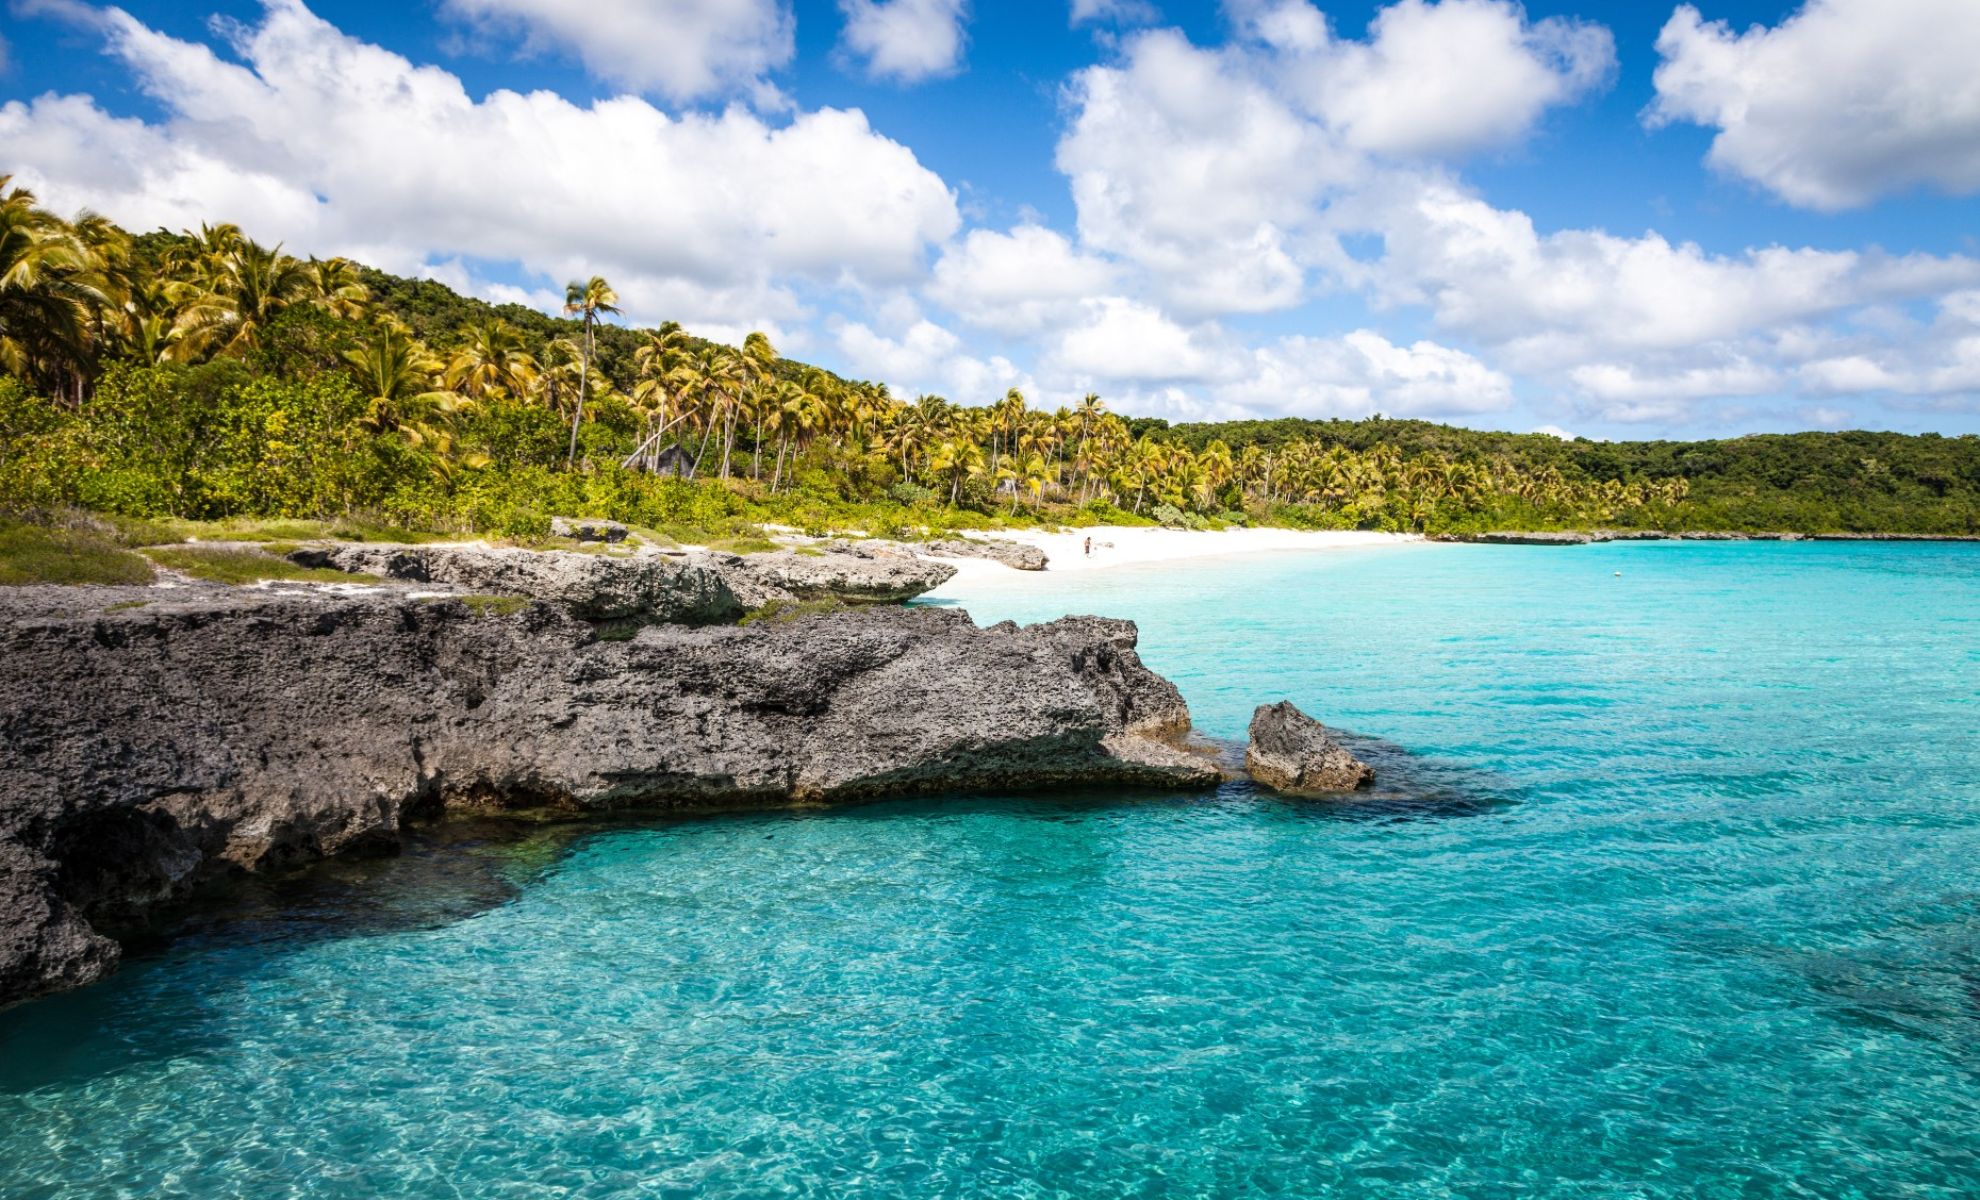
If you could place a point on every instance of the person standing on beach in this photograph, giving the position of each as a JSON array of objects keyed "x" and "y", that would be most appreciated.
[{"x": 1089, "y": 547}]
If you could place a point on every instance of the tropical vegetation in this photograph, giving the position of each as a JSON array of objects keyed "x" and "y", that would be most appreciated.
[{"x": 204, "y": 375}]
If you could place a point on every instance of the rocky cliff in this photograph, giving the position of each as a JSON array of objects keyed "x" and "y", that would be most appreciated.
[
  {"x": 157, "y": 740},
  {"x": 693, "y": 588}
]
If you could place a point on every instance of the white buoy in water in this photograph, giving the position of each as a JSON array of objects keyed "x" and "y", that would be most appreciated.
[{"x": 1618, "y": 574}]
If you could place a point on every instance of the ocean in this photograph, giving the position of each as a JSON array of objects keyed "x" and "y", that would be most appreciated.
[{"x": 1669, "y": 887}]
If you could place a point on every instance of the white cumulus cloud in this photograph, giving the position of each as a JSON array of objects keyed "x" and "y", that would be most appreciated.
[
  {"x": 1580, "y": 297},
  {"x": 1362, "y": 373},
  {"x": 706, "y": 217},
  {"x": 923, "y": 357},
  {"x": 1843, "y": 102},
  {"x": 1017, "y": 282},
  {"x": 1210, "y": 168},
  {"x": 1202, "y": 372},
  {"x": 1434, "y": 79},
  {"x": 1120, "y": 339},
  {"x": 905, "y": 40},
  {"x": 680, "y": 49}
]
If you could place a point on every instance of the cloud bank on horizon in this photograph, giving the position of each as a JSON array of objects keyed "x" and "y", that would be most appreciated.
[{"x": 1257, "y": 209}]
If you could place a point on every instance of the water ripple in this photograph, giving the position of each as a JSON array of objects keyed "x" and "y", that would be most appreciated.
[{"x": 1666, "y": 891}]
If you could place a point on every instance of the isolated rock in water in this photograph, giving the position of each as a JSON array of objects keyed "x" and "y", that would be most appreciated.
[
  {"x": 152, "y": 749},
  {"x": 856, "y": 572},
  {"x": 588, "y": 529},
  {"x": 1291, "y": 752},
  {"x": 1020, "y": 556},
  {"x": 593, "y": 587}
]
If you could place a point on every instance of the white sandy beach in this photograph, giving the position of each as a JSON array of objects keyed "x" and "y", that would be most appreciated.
[{"x": 1122, "y": 545}]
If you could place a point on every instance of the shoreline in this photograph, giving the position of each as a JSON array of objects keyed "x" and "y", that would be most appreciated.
[{"x": 1132, "y": 545}]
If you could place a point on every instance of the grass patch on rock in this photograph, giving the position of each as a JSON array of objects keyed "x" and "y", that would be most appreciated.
[
  {"x": 36, "y": 554},
  {"x": 783, "y": 612},
  {"x": 651, "y": 536},
  {"x": 744, "y": 545},
  {"x": 495, "y": 606},
  {"x": 241, "y": 564},
  {"x": 280, "y": 530}
]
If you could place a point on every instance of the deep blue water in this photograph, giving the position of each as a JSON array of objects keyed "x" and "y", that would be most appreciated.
[{"x": 1692, "y": 909}]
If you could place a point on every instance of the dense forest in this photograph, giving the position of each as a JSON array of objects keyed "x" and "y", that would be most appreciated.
[{"x": 203, "y": 375}]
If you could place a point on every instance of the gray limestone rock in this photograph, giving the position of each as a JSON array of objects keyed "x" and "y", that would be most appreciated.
[
  {"x": 158, "y": 741},
  {"x": 593, "y": 587},
  {"x": 1293, "y": 753},
  {"x": 855, "y": 572},
  {"x": 1020, "y": 556}
]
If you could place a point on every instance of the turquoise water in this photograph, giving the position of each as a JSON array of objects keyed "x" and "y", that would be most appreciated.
[{"x": 1674, "y": 891}]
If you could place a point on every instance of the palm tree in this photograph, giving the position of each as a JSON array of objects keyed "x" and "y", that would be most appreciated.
[
  {"x": 492, "y": 360},
  {"x": 48, "y": 298},
  {"x": 1033, "y": 473},
  {"x": 339, "y": 287},
  {"x": 238, "y": 289},
  {"x": 797, "y": 415},
  {"x": 956, "y": 459},
  {"x": 759, "y": 360},
  {"x": 146, "y": 324},
  {"x": 665, "y": 376},
  {"x": 592, "y": 299},
  {"x": 397, "y": 374}
]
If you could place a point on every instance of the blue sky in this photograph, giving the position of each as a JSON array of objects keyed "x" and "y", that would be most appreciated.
[{"x": 1618, "y": 220}]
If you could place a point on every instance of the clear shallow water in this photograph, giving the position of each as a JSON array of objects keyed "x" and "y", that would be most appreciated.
[{"x": 1698, "y": 914}]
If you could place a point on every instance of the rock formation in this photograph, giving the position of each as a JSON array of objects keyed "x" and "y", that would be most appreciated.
[
  {"x": 855, "y": 572},
  {"x": 694, "y": 588},
  {"x": 592, "y": 587},
  {"x": 1293, "y": 753},
  {"x": 159, "y": 740},
  {"x": 1021, "y": 556},
  {"x": 588, "y": 529}
]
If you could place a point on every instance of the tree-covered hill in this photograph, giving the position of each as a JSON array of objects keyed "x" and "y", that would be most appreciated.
[
  {"x": 205, "y": 375},
  {"x": 1854, "y": 480}
]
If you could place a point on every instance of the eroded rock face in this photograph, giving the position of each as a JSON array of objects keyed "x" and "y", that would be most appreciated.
[
  {"x": 856, "y": 572},
  {"x": 1021, "y": 556},
  {"x": 592, "y": 587},
  {"x": 1293, "y": 753},
  {"x": 150, "y": 750}
]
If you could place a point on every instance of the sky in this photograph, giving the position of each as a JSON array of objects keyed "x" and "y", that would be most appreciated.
[{"x": 1622, "y": 220}]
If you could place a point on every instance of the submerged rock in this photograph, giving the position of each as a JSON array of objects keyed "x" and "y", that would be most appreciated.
[
  {"x": 152, "y": 750},
  {"x": 1293, "y": 753},
  {"x": 592, "y": 587},
  {"x": 1021, "y": 556}
]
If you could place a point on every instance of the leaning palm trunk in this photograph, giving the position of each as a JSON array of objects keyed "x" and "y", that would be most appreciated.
[
  {"x": 777, "y": 479},
  {"x": 703, "y": 452},
  {"x": 649, "y": 448}
]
